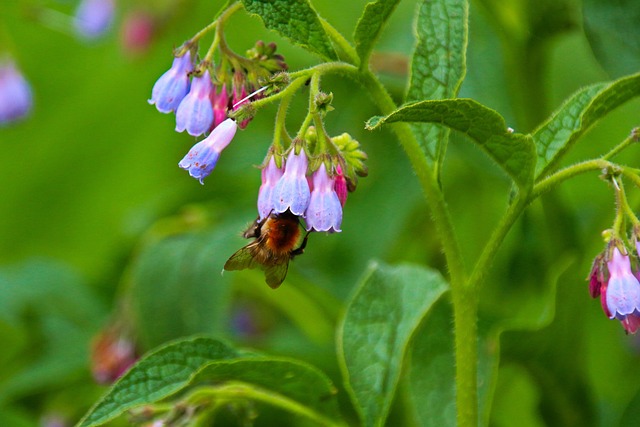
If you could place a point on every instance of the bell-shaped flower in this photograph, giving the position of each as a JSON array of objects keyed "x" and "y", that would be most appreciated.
[
  {"x": 220, "y": 105},
  {"x": 16, "y": 99},
  {"x": 621, "y": 296},
  {"x": 324, "y": 212},
  {"x": 340, "y": 186},
  {"x": 195, "y": 112},
  {"x": 203, "y": 156},
  {"x": 172, "y": 86},
  {"x": 292, "y": 190},
  {"x": 93, "y": 18},
  {"x": 270, "y": 176}
]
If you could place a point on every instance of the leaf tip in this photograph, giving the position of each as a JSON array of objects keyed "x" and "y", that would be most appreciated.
[{"x": 374, "y": 122}]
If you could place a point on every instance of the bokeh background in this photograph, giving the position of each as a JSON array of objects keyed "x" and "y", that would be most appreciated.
[{"x": 99, "y": 225}]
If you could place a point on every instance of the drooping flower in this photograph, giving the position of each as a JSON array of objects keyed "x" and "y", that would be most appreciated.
[
  {"x": 324, "y": 212},
  {"x": 621, "y": 295},
  {"x": 220, "y": 104},
  {"x": 137, "y": 31},
  {"x": 112, "y": 353},
  {"x": 203, "y": 156},
  {"x": 292, "y": 190},
  {"x": 171, "y": 88},
  {"x": 195, "y": 112},
  {"x": 16, "y": 99},
  {"x": 93, "y": 18},
  {"x": 340, "y": 186},
  {"x": 270, "y": 176}
]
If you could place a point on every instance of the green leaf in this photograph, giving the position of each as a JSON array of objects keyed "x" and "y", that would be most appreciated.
[
  {"x": 370, "y": 26},
  {"x": 159, "y": 374},
  {"x": 177, "y": 288},
  {"x": 438, "y": 65},
  {"x": 288, "y": 384},
  {"x": 612, "y": 30},
  {"x": 292, "y": 385},
  {"x": 576, "y": 116},
  {"x": 431, "y": 371},
  {"x": 297, "y": 21},
  {"x": 374, "y": 334},
  {"x": 514, "y": 152}
]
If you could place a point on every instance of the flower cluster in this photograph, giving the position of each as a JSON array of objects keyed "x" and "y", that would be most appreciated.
[
  {"x": 616, "y": 283},
  {"x": 16, "y": 100},
  {"x": 315, "y": 191},
  {"x": 203, "y": 96}
]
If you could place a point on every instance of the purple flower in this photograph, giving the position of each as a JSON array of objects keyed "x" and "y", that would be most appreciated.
[
  {"x": 15, "y": 93},
  {"x": 93, "y": 18},
  {"x": 203, "y": 156},
  {"x": 270, "y": 176},
  {"x": 172, "y": 86},
  {"x": 195, "y": 112},
  {"x": 292, "y": 190},
  {"x": 324, "y": 212},
  {"x": 621, "y": 296}
]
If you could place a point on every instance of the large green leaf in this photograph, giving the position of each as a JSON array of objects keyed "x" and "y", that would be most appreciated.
[
  {"x": 438, "y": 65},
  {"x": 295, "y": 20},
  {"x": 612, "y": 30},
  {"x": 431, "y": 371},
  {"x": 177, "y": 288},
  {"x": 161, "y": 373},
  {"x": 514, "y": 152},
  {"x": 380, "y": 319},
  {"x": 298, "y": 387},
  {"x": 47, "y": 317},
  {"x": 370, "y": 25},
  {"x": 288, "y": 384},
  {"x": 576, "y": 116}
]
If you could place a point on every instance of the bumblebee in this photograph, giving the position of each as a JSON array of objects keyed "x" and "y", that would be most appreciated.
[{"x": 278, "y": 239}]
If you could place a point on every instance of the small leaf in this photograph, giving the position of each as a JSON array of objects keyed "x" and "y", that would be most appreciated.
[
  {"x": 297, "y": 21},
  {"x": 161, "y": 373},
  {"x": 299, "y": 383},
  {"x": 513, "y": 152},
  {"x": 375, "y": 331},
  {"x": 370, "y": 26},
  {"x": 558, "y": 134},
  {"x": 612, "y": 31},
  {"x": 438, "y": 65}
]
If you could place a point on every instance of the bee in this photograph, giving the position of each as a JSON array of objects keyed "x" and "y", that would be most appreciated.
[{"x": 277, "y": 241}]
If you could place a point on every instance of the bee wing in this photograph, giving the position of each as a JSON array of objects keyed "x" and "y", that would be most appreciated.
[
  {"x": 274, "y": 274},
  {"x": 242, "y": 259}
]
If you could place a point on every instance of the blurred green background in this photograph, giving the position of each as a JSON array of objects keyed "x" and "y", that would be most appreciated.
[{"x": 94, "y": 209}]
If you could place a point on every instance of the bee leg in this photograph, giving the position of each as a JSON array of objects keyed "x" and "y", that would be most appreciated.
[{"x": 300, "y": 249}]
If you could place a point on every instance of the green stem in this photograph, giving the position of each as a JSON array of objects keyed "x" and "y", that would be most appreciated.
[
  {"x": 465, "y": 302},
  {"x": 562, "y": 175},
  {"x": 337, "y": 37},
  {"x": 234, "y": 391},
  {"x": 632, "y": 138}
]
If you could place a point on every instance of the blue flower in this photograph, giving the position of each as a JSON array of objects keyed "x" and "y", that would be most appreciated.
[
  {"x": 324, "y": 212},
  {"x": 203, "y": 156},
  {"x": 173, "y": 85},
  {"x": 195, "y": 112},
  {"x": 93, "y": 18},
  {"x": 16, "y": 100},
  {"x": 292, "y": 189},
  {"x": 270, "y": 176}
]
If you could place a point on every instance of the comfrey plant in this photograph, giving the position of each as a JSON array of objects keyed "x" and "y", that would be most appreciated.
[{"x": 450, "y": 376}]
